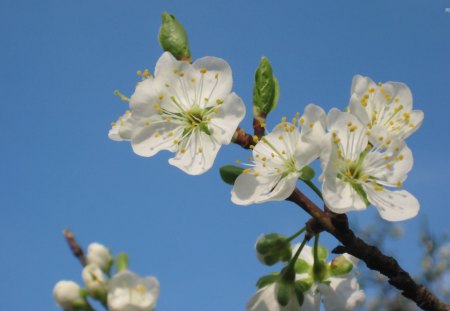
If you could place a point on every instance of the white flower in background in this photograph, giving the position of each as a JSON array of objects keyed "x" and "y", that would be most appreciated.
[
  {"x": 129, "y": 292},
  {"x": 386, "y": 109},
  {"x": 122, "y": 128},
  {"x": 185, "y": 108},
  {"x": 95, "y": 281},
  {"x": 265, "y": 300},
  {"x": 68, "y": 295},
  {"x": 100, "y": 256},
  {"x": 356, "y": 174},
  {"x": 278, "y": 160},
  {"x": 336, "y": 286}
]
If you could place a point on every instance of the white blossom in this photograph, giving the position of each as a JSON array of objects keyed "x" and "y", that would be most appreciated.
[
  {"x": 95, "y": 280},
  {"x": 278, "y": 159},
  {"x": 100, "y": 256},
  {"x": 129, "y": 292},
  {"x": 385, "y": 108},
  {"x": 186, "y": 109},
  {"x": 356, "y": 173},
  {"x": 68, "y": 295}
]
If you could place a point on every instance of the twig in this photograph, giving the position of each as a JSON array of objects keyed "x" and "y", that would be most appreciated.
[{"x": 77, "y": 251}]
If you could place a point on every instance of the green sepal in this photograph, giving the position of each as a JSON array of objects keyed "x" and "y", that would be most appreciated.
[
  {"x": 320, "y": 271},
  {"x": 270, "y": 259},
  {"x": 229, "y": 173},
  {"x": 267, "y": 280},
  {"x": 121, "y": 262},
  {"x": 265, "y": 90},
  {"x": 286, "y": 254},
  {"x": 307, "y": 173},
  {"x": 301, "y": 266},
  {"x": 204, "y": 128},
  {"x": 322, "y": 252},
  {"x": 173, "y": 37},
  {"x": 299, "y": 293},
  {"x": 340, "y": 266},
  {"x": 283, "y": 293},
  {"x": 360, "y": 191},
  {"x": 304, "y": 284}
]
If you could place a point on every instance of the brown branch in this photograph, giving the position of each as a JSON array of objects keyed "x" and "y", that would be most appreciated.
[
  {"x": 242, "y": 139},
  {"x": 77, "y": 251},
  {"x": 337, "y": 225}
]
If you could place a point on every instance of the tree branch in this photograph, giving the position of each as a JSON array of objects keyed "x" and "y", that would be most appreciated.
[
  {"x": 337, "y": 225},
  {"x": 77, "y": 251}
]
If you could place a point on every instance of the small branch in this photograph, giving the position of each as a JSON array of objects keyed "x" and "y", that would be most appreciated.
[
  {"x": 243, "y": 139},
  {"x": 77, "y": 251},
  {"x": 259, "y": 124},
  {"x": 337, "y": 225}
]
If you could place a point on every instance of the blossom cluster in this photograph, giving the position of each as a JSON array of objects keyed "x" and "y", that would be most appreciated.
[
  {"x": 363, "y": 153},
  {"x": 122, "y": 291}
]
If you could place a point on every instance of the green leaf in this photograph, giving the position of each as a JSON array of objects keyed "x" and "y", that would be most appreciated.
[
  {"x": 173, "y": 37},
  {"x": 229, "y": 173},
  {"x": 267, "y": 280}
]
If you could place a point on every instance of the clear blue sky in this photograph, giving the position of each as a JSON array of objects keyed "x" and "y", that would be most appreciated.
[{"x": 59, "y": 64}]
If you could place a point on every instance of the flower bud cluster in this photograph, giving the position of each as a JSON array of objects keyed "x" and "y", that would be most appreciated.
[{"x": 119, "y": 291}]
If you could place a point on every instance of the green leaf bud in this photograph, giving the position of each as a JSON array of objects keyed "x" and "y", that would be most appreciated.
[
  {"x": 301, "y": 266},
  {"x": 299, "y": 293},
  {"x": 229, "y": 173},
  {"x": 173, "y": 37},
  {"x": 265, "y": 90},
  {"x": 340, "y": 266},
  {"x": 322, "y": 252}
]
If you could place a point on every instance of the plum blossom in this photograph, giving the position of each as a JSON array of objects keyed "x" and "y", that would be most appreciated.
[
  {"x": 129, "y": 292},
  {"x": 100, "y": 256},
  {"x": 187, "y": 109},
  {"x": 69, "y": 296},
  {"x": 356, "y": 173},
  {"x": 385, "y": 108},
  {"x": 279, "y": 159}
]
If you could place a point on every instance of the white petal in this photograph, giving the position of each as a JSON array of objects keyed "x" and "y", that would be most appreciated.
[
  {"x": 414, "y": 123},
  {"x": 314, "y": 123},
  {"x": 340, "y": 197},
  {"x": 265, "y": 300},
  {"x": 352, "y": 143},
  {"x": 144, "y": 97},
  {"x": 393, "y": 205},
  {"x": 199, "y": 156},
  {"x": 146, "y": 141},
  {"x": 391, "y": 166},
  {"x": 361, "y": 84},
  {"x": 165, "y": 63},
  {"x": 122, "y": 129},
  {"x": 249, "y": 189},
  {"x": 217, "y": 80},
  {"x": 343, "y": 294},
  {"x": 224, "y": 123}
]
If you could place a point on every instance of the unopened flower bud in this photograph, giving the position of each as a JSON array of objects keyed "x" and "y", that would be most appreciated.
[
  {"x": 272, "y": 248},
  {"x": 69, "y": 296},
  {"x": 95, "y": 282},
  {"x": 100, "y": 256},
  {"x": 173, "y": 37},
  {"x": 340, "y": 266}
]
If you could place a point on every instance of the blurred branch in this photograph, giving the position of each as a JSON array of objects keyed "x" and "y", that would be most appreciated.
[{"x": 77, "y": 251}]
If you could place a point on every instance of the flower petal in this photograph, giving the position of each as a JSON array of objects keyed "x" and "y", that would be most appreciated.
[
  {"x": 249, "y": 189},
  {"x": 199, "y": 154},
  {"x": 230, "y": 114},
  {"x": 147, "y": 140},
  {"x": 265, "y": 300},
  {"x": 340, "y": 197},
  {"x": 342, "y": 294},
  {"x": 393, "y": 205}
]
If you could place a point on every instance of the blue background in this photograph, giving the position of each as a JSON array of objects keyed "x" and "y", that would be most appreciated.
[{"x": 60, "y": 62}]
